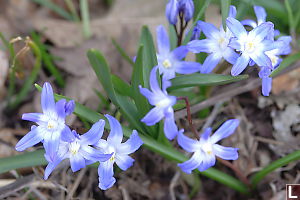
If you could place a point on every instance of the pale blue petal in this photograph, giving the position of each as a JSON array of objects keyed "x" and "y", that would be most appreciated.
[
  {"x": 51, "y": 143},
  {"x": 131, "y": 145},
  {"x": 232, "y": 11},
  {"x": 124, "y": 161},
  {"x": 116, "y": 133},
  {"x": 261, "y": 59},
  {"x": 50, "y": 167},
  {"x": 226, "y": 153},
  {"x": 33, "y": 117},
  {"x": 225, "y": 130},
  {"x": 172, "y": 11},
  {"x": 94, "y": 134},
  {"x": 30, "y": 139},
  {"x": 153, "y": 116},
  {"x": 102, "y": 145},
  {"x": 186, "y": 67},
  {"x": 67, "y": 135},
  {"x": 230, "y": 55},
  {"x": 60, "y": 109},
  {"x": 197, "y": 46},
  {"x": 47, "y": 99},
  {"x": 205, "y": 135},
  {"x": 208, "y": 161},
  {"x": 69, "y": 107},
  {"x": 236, "y": 27},
  {"x": 153, "y": 81},
  {"x": 249, "y": 22},
  {"x": 209, "y": 30},
  {"x": 77, "y": 162},
  {"x": 240, "y": 65},
  {"x": 235, "y": 44},
  {"x": 170, "y": 127},
  {"x": 193, "y": 163},
  {"x": 187, "y": 143},
  {"x": 89, "y": 153},
  {"x": 210, "y": 63},
  {"x": 266, "y": 86},
  {"x": 260, "y": 13},
  {"x": 180, "y": 52},
  {"x": 163, "y": 43},
  {"x": 152, "y": 98},
  {"x": 261, "y": 31},
  {"x": 106, "y": 172}
]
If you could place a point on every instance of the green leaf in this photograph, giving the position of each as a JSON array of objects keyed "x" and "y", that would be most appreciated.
[
  {"x": 52, "y": 6},
  {"x": 122, "y": 52},
  {"x": 149, "y": 54},
  {"x": 256, "y": 178},
  {"x": 28, "y": 159},
  {"x": 198, "y": 79},
  {"x": 172, "y": 36},
  {"x": 285, "y": 63},
  {"x": 225, "y": 4},
  {"x": 121, "y": 86},
  {"x": 85, "y": 16}
]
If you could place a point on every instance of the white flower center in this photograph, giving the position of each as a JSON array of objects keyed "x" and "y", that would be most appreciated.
[
  {"x": 109, "y": 150},
  {"x": 223, "y": 42},
  {"x": 74, "y": 147},
  {"x": 163, "y": 103},
  {"x": 250, "y": 47},
  {"x": 207, "y": 148},
  {"x": 167, "y": 64},
  {"x": 52, "y": 124}
]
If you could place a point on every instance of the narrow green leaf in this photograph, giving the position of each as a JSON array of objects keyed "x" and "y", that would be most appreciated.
[
  {"x": 198, "y": 79},
  {"x": 52, "y": 6},
  {"x": 225, "y": 4},
  {"x": 285, "y": 63},
  {"x": 85, "y": 17},
  {"x": 122, "y": 52},
  {"x": 172, "y": 36},
  {"x": 121, "y": 86},
  {"x": 295, "y": 156},
  {"x": 149, "y": 54}
]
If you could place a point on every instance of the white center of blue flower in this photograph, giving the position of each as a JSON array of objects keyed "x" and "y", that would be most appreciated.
[
  {"x": 52, "y": 124},
  {"x": 74, "y": 147},
  {"x": 207, "y": 148},
  {"x": 223, "y": 42},
  {"x": 250, "y": 47},
  {"x": 167, "y": 64},
  {"x": 112, "y": 150},
  {"x": 163, "y": 103}
]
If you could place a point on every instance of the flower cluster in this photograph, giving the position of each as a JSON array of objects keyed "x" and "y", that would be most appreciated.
[
  {"x": 61, "y": 143},
  {"x": 181, "y": 8}
]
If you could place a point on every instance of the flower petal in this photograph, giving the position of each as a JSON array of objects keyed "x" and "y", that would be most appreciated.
[
  {"x": 153, "y": 81},
  {"x": 208, "y": 161},
  {"x": 33, "y": 117},
  {"x": 124, "y": 161},
  {"x": 186, "y": 67},
  {"x": 77, "y": 162},
  {"x": 153, "y": 116},
  {"x": 240, "y": 65},
  {"x": 60, "y": 109},
  {"x": 172, "y": 11},
  {"x": 261, "y": 31},
  {"x": 225, "y": 130},
  {"x": 50, "y": 167},
  {"x": 116, "y": 133},
  {"x": 170, "y": 127},
  {"x": 260, "y": 13},
  {"x": 30, "y": 139},
  {"x": 69, "y": 107},
  {"x": 230, "y": 55},
  {"x": 47, "y": 99},
  {"x": 67, "y": 135},
  {"x": 152, "y": 98},
  {"x": 94, "y": 134},
  {"x": 131, "y": 145},
  {"x": 236, "y": 27},
  {"x": 232, "y": 11},
  {"x": 197, "y": 46},
  {"x": 163, "y": 43},
  {"x": 191, "y": 164},
  {"x": 210, "y": 63},
  {"x": 205, "y": 135},
  {"x": 106, "y": 172},
  {"x": 187, "y": 143},
  {"x": 249, "y": 22},
  {"x": 180, "y": 52},
  {"x": 209, "y": 30},
  {"x": 226, "y": 153},
  {"x": 261, "y": 59},
  {"x": 89, "y": 153},
  {"x": 51, "y": 143}
]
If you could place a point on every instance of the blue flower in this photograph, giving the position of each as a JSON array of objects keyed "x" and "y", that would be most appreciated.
[
  {"x": 282, "y": 48},
  {"x": 252, "y": 45},
  {"x": 170, "y": 62},
  {"x": 78, "y": 148},
  {"x": 118, "y": 150},
  {"x": 51, "y": 123},
  {"x": 163, "y": 106},
  {"x": 205, "y": 150},
  {"x": 175, "y": 7},
  {"x": 216, "y": 44}
]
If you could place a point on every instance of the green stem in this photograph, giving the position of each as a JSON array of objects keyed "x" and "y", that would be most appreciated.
[{"x": 84, "y": 9}]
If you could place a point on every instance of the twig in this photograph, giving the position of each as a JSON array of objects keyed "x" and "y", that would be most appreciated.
[
  {"x": 76, "y": 184},
  {"x": 189, "y": 116},
  {"x": 173, "y": 184},
  {"x": 236, "y": 171},
  {"x": 212, "y": 116}
]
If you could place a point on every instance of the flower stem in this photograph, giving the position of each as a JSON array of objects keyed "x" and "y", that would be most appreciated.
[
  {"x": 189, "y": 116},
  {"x": 236, "y": 170},
  {"x": 183, "y": 26}
]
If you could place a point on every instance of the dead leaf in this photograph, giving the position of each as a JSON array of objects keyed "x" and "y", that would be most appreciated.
[{"x": 286, "y": 82}]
